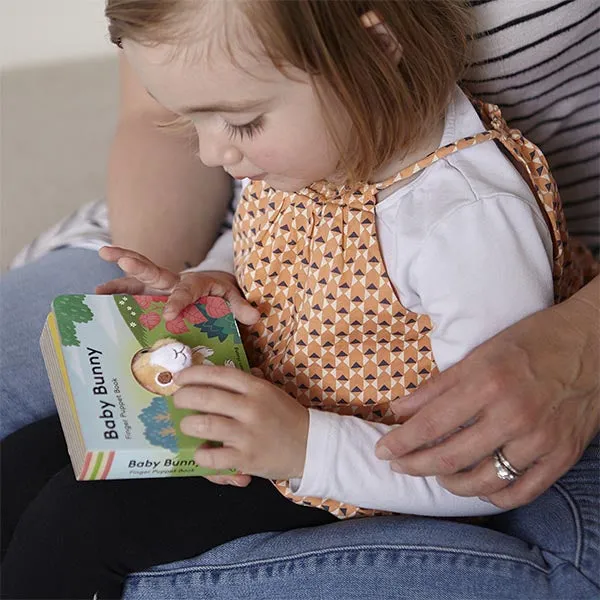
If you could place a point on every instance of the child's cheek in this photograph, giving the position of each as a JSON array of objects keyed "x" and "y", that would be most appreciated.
[{"x": 269, "y": 159}]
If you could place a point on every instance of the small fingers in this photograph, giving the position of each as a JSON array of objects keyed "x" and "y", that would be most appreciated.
[
  {"x": 181, "y": 296},
  {"x": 242, "y": 310},
  {"x": 213, "y": 400},
  {"x": 217, "y": 458},
  {"x": 224, "y": 286},
  {"x": 223, "y": 378},
  {"x": 149, "y": 273},
  {"x": 236, "y": 480},
  {"x": 123, "y": 285},
  {"x": 114, "y": 253},
  {"x": 138, "y": 266}
]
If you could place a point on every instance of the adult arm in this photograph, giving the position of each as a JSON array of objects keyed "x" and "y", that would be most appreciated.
[
  {"x": 162, "y": 201},
  {"x": 533, "y": 390}
]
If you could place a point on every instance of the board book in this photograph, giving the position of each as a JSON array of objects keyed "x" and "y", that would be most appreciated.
[{"x": 111, "y": 360}]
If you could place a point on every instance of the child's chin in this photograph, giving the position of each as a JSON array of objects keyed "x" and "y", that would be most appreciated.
[{"x": 287, "y": 185}]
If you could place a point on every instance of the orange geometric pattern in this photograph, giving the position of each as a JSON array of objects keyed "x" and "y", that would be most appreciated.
[{"x": 333, "y": 332}]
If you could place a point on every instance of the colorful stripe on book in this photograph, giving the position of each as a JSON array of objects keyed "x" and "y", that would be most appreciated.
[
  {"x": 55, "y": 335},
  {"x": 97, "y": 465}
]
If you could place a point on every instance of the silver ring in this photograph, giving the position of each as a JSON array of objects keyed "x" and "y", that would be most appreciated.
[{"x": 504, "y": 470}]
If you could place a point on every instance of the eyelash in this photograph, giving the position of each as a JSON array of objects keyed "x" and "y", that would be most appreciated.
[{"x": 249, "y": 129}]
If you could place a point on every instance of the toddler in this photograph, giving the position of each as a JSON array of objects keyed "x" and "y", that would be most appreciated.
[{"x": 383, "y": 233}]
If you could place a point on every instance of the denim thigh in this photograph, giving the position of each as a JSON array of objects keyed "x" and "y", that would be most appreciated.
[
  {"x": 547, "y": 550},
  {"x": 25, "y": 297}
]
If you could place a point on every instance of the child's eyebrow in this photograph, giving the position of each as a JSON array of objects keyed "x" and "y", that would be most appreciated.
[{"x": 231, "y": 107}]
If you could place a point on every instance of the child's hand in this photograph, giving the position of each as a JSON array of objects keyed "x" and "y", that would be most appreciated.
[
  {"x": 144, "y": 277},
  {"x": 263, "y": 430}
]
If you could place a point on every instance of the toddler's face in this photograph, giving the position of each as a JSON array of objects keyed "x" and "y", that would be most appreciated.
[{"x": 250, "y": 118}]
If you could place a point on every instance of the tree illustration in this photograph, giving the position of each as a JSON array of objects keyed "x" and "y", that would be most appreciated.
[
  {"x": 70, "y": 310},
  {"x": 220, "y": 328},
  {"x": 159, "y": 428}
]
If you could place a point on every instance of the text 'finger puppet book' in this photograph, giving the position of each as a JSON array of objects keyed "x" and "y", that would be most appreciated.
[{"x": 111, "y": 361}]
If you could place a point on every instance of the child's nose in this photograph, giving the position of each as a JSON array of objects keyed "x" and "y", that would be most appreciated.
[{"x": 219, "y": 156}]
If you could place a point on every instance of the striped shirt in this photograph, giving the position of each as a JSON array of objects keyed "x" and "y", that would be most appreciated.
[{"x": 538, "y": 59}]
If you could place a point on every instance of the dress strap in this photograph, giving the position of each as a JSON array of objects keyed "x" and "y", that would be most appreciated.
[{"x": 440, "y": 153}]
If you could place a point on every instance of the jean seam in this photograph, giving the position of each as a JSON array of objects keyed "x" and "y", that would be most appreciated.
[
  {"x": 578, "y": 526},
  {"x": 340, "y": 549}
]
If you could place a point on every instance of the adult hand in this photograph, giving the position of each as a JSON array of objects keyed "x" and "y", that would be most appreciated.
[{"x": 533, "y": 391}]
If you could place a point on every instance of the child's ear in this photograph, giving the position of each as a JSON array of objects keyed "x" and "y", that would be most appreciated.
[{"x": 382, "y": 35}]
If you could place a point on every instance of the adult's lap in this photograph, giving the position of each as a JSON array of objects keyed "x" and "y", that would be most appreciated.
[{"x": 25, "y": 297}]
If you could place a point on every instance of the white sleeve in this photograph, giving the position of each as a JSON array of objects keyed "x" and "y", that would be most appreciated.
[
  {"x": 220, "y": 256},
  {"x": 341, "y": 465},
  {"x": 481, "y": 269}
]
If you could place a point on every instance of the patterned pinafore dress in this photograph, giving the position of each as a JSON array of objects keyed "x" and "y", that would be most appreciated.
[{"x": 333, "y": 333}]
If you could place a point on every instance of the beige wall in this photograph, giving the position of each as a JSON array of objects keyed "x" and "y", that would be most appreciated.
[
  {"x": 58, "y": 96},
  {"x": 48, "y": 31}
]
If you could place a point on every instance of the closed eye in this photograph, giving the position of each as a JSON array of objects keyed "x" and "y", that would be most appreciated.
[{"x": 249, "y": 129}]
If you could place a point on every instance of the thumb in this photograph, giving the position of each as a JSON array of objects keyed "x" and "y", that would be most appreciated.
[{"x": 242, "y": 310}]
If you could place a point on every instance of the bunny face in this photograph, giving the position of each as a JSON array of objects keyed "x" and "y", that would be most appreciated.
[{"x": 154, "y": 368}]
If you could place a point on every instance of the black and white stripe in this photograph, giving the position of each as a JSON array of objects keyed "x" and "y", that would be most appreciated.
[{"x": 539, "y": 60}]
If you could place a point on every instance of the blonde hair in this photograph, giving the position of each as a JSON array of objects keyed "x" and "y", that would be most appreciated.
[{"x": 390, "y": 105}]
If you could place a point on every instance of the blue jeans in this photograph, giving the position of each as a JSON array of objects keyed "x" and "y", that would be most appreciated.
[{"x": 549, "y": 549}]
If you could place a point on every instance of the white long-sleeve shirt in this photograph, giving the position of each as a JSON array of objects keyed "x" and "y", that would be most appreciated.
[{"x": 466, "y": 244}]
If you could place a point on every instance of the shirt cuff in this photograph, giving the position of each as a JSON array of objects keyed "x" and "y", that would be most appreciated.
[{"x": 321, "y": 443}]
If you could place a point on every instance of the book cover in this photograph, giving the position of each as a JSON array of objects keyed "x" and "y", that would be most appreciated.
[{"x": 111, "y": 361}]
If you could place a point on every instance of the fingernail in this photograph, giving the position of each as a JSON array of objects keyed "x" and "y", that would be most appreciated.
[
  {"x": 397, "y": 467},
  {"x": 383, "y": 452}
]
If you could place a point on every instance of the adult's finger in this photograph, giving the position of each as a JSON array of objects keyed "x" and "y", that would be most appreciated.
[
  {"x": 482, "y": 479},
  {"x": 541, "y": 459},
  {"x": 460, "y": 450},
  {"x": 429, "y": 390},
  {"x": 439, "y": 418},
  {"x": 533, "y": 482}
]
